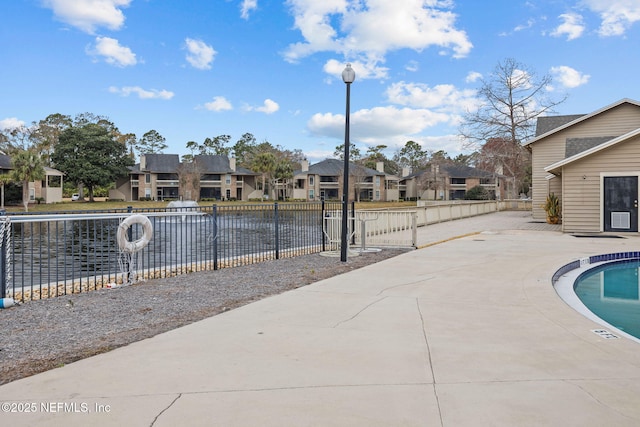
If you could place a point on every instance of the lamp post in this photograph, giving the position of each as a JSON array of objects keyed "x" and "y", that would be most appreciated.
[{"x": 348, "y": 76}]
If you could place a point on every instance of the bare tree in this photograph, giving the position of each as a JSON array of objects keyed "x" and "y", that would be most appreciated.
[
  {"x": 189, "y": 175},
  {"x": 511, "y": 100}
]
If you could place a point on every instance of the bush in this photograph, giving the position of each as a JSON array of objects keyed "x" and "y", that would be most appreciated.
[{"x": 477, "y": 193}]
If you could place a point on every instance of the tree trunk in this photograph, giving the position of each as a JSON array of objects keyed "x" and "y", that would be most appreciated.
[{"x": 25, "y": 195}]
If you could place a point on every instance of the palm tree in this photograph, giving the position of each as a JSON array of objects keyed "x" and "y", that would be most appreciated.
[
  {"x": 283, "y": 172},
  {"x": 264, "y": 163},
  {"x": 5, "y": 178},
  {"x": 27, "y": 166}
]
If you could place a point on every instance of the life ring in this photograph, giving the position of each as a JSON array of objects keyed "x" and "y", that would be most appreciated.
[{"x": 123, "y": 240}]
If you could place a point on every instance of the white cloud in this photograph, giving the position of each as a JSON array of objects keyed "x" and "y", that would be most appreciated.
[
  {"x": 472, "y": 77},
  {"x": 87, "y": 15},
  {"x": 247, "y": 6},
  {"x": 412, "y": 66},
  {"x": 11, "y": 123},
  {"x": 372, "y": 28},
  {"x": 200, "y": 54},
  {"x": 142, "y": 93},
  {"x": 568, "y": 77},
  {"x": 572, "y": 26},
  {"x": 219, "y": 103},
  {"x": 113, "y": 52},
  {"x": 268, "y": 107},
  {"x": 530, "y": 23},
  {"x": 443, "y": 98},
  {"x": 315, "y": 156},
  {"x": 363, "y": 70},
  {"x": 617, "y": 15},
  {"x": 417, "y": 110},
  {"x": 376, "y": 124}
]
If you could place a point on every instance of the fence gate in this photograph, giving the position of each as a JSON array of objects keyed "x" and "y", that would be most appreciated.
[{"x": 386, "y": 228}]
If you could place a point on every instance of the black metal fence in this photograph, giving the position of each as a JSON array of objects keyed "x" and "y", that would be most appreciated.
[{"x": 49, "y": 255}]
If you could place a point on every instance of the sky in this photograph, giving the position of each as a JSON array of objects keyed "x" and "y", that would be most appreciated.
[{"x": 202, "y": 68}]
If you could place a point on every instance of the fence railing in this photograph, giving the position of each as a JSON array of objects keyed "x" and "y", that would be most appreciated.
[
  {"x": 398, "y": 226},
  {"x": 51, "y": 255}
]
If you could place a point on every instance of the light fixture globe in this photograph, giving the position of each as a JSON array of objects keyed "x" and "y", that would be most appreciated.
[{"x": 348, "y": 75}]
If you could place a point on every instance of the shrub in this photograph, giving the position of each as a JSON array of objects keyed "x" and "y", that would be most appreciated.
[{"x": 477, "y": 193}]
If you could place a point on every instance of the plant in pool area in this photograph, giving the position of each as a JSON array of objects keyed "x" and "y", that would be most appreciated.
[{"x": 552, "y": 208}]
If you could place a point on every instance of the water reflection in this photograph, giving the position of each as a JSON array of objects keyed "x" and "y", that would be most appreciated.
[{"x": 45, "y": 252}]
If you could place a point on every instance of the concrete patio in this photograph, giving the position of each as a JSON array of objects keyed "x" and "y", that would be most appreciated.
[{"x": 466, "y": 331}]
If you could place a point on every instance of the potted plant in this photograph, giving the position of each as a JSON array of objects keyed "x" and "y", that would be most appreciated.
[{"x": 552, "y": 208}]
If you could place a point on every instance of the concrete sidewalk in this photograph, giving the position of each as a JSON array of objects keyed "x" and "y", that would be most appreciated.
[{"x": 467, "y": 332}]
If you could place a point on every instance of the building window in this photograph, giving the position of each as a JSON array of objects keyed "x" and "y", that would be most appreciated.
[
  {"x": 55, "y": 181},
  {"x": 211, "y": 177},
  {"x": 377, "y": 181},
  {"x": 458, "y": 181},
  {"x": 311, "y": 184},
  {"x": 228, "y": 194},
  {"x": 228, "y": 179},
  {"x": 377, "y": 194},
  {"x": 311, "y": 195},
  {"x": 147, "y": 178}
]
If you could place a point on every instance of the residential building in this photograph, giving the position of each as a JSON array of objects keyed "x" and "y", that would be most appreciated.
[
  {"x": 592, "y": 163},
  {"x": 164, "y": 177},
  {"x": 323, "y": 181},
  {"x": 48, "y": 190},
  {"x": 450, "y": 182}
]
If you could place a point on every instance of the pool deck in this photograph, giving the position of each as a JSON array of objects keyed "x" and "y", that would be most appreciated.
[{"x": 464, "y": 332}]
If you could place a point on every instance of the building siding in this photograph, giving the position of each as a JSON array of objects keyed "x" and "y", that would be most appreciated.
[
  {"x": 614, "y": 122},
  {"x": 545, "y": 153},
  {"x": 582, "y": 183}
]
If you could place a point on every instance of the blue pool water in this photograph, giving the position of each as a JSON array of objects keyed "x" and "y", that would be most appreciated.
[{"x": 612, "y": 292}]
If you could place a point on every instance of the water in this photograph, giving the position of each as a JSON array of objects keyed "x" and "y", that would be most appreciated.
[
  {"x": 63, "y": 250},
  {"x": 612, "y": 292}
]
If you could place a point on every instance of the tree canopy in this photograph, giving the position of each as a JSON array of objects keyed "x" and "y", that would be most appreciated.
[
  {"x": 91, "y": 156},
  {"x": 151, "y": 143}
]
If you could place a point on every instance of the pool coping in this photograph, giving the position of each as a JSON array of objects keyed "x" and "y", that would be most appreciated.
[{"x": 564, "y": 279}]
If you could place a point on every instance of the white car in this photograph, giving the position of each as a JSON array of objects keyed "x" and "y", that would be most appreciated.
[{"x": 75, "y": 197}]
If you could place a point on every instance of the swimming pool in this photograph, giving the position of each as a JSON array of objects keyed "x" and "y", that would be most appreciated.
[
  {"x": 605, "y": 289},
  {"x": 612, "y": 292}
]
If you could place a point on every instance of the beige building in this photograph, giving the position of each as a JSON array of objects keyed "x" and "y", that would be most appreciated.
[
  {"x": 592, "y": 163},
  {"x": 164, "y": 177},
  {"x": 323, "y": 181},
  {"x": 450, "y": 182},
  {"x": 49, "y": 190}
]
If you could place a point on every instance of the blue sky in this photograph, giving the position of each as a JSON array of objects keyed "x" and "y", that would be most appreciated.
[{"x": 201, "y": 68}]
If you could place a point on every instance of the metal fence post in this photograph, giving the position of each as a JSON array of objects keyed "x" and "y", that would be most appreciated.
[
  {"x": 322, "y": 236},
  {"x": 214, "y": 213},
  {"x": 353, "y": 222},
  {"x": 277, "y": 229},
  {"x": 3, "y": 257}
]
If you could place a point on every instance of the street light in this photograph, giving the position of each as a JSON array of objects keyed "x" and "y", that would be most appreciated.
[{"x": 348, "y": 76}]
